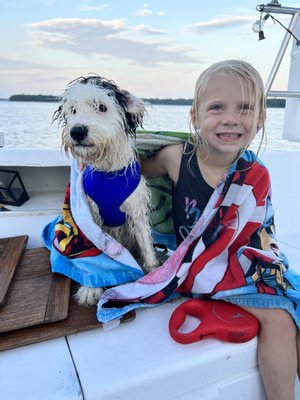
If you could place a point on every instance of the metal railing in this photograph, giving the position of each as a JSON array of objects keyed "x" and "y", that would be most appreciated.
[{"x": 276, "y": 8}]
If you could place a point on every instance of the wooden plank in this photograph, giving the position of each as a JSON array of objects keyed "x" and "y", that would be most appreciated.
[
  {"x": 11, "y": 250},
  {"x": 37, "y": 295},
  {"x": 80, "y": 319},
  {"x": 58, "y": 299}
]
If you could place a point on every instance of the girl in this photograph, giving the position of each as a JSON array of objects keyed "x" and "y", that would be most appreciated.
[
  {"x": 227, "y": 111},
  {"x": 223, "y": 221}
]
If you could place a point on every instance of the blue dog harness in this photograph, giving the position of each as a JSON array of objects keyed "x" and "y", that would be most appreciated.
[{"x": 110, "y": 189}]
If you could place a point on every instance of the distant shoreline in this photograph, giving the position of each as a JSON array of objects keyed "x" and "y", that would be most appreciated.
[{"x": 273, "y": 102}]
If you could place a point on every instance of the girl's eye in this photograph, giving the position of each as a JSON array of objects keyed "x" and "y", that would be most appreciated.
[
  {"x": 216, "y": 107},
  {"x": 245, "y": 107}
]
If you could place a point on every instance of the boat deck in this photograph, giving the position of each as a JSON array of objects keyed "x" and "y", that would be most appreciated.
[{"x": 139, "y": 359}]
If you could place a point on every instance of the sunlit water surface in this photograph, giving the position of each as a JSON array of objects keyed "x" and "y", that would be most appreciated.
[{"x": 29, "y": 125}]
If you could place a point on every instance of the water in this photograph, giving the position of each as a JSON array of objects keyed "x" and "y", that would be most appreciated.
[{"x": 29, "y": 125}]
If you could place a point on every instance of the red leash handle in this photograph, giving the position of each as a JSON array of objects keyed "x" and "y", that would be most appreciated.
[
  {"x": 219, "y": 319},
  {"x": 193, "y": 308}
]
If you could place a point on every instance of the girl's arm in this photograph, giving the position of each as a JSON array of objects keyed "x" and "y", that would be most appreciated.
[{"x": 166, "y": 161}]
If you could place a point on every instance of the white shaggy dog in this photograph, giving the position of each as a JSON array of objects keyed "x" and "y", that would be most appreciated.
[{"x": 99, "y": 123}]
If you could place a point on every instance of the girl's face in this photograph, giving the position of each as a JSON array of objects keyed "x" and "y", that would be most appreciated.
[{"x": 227, "y": 117}]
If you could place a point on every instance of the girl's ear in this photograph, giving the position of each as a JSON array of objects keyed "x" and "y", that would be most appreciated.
[
  {"x": 193, "y": 117},
  {"x": 258, "y": 127},
  {"x": 260, "y": 121}
]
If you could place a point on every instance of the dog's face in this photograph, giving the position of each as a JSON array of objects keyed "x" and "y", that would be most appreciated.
[{"x": 97, "y": 117}]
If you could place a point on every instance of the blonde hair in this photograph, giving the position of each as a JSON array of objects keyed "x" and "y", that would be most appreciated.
[{"x": 241, "y": 70}]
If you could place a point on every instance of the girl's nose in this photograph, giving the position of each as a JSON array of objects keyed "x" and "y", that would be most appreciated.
[{"x": 230, "y": 118}]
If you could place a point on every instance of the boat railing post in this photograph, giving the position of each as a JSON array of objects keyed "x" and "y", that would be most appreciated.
[
  {"x": 1, "y": 139},
  {"x": 281, "y": 53},
  {"x": 291, "y": 122}
]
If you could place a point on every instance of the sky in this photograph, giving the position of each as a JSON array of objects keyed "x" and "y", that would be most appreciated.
[{"x": 154, "y": 49}]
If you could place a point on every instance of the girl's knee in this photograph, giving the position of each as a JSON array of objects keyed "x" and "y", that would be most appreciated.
[{"x": 278, "y": 321}]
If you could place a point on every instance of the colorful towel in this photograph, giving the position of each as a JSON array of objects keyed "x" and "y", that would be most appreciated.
[
  {"x": 231, "y": 254},
  {"x": 80, "y": 249}
]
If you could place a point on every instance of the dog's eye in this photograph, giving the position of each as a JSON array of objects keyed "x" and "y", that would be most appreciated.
[
  {"x": 73, "y": 110},
  {"x": 102, "y": 108},
  {"x": 99, "y": 107}
]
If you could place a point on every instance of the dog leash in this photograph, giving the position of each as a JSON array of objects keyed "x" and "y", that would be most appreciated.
[{"x": 218, "y": 319}]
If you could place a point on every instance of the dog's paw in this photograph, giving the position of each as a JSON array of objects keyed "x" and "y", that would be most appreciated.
[
  {"x": 155, "y": 259},
  {"x": 148, "y": 267},
  {"x": 87, "y": 296}
]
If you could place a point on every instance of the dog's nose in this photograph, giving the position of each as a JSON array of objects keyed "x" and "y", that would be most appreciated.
[{"x": 78, "y": 132}]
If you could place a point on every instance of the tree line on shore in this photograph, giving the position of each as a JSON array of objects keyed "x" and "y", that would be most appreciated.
[{"x": 272, "y": 102}]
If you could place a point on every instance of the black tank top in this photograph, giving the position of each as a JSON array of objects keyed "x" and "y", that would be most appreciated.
[{"x": 190, "y": 195}]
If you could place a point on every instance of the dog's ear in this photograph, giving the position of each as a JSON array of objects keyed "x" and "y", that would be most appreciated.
[
  {"x": 134, "y": 105},
  {"x": 135, "y": 110},
  {"x": 58, "y": 116}
]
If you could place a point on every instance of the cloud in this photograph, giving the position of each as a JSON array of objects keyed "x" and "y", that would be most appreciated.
[
  {"x": 7, "y": 64},
  {"x": 142, "y": 28},
  {"x": 144, "y": 12},
  {"x": 19, "y": 76},
  {"x": 94, "y": 37},
  {"x": 91, "y": 7},
  {"x": 71, "y": 24},
  {"x": 219, "y": 23}
]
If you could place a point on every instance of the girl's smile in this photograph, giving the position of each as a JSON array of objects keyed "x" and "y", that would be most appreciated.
[{"x": 228, "y": 137}]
